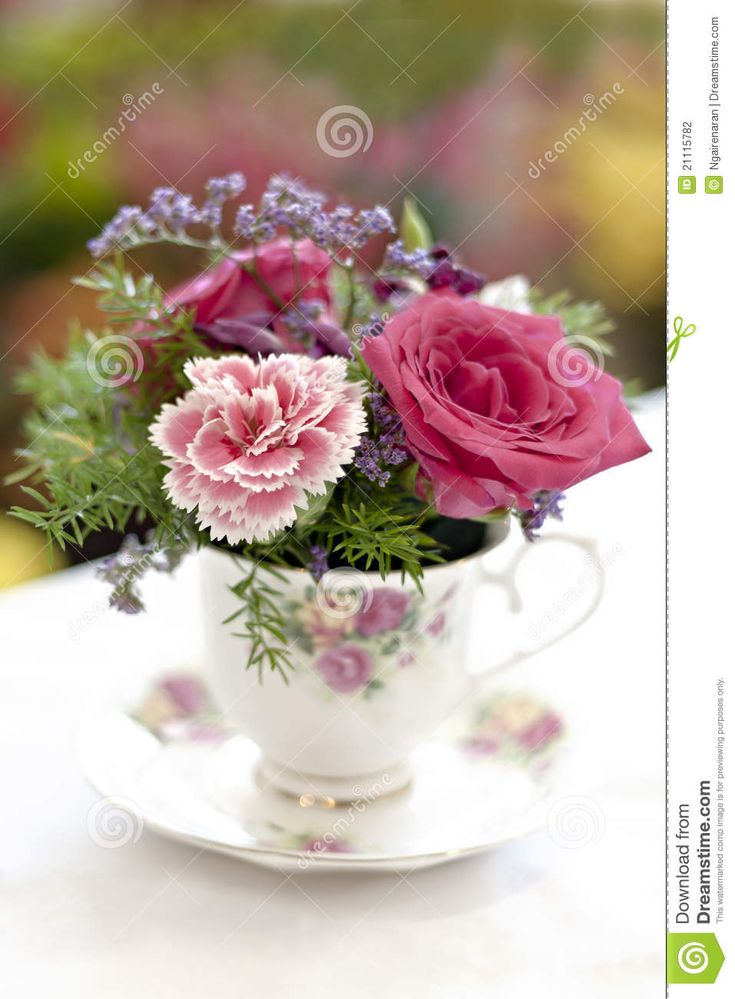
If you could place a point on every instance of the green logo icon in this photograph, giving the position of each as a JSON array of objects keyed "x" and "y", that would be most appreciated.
[
  {"x": 692, "y": 958},
  {"x": 680, "y": 331},
  {"x": 713, "y": 184},
  {"x": 687, "y": 185}
]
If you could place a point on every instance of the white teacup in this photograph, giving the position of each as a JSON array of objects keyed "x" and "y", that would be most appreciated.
[{"x": 377, "y": 666}]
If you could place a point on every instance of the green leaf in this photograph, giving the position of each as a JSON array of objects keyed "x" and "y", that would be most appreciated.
[{"x": 414, "y": 229}]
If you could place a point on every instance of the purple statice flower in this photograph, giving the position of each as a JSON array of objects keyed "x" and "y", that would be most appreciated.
[
  {"x": 286, "y": 205},
  {"x": 182, "y": 213},
  {"x": 417, "y": 262},
  {"x": 289, "y": 204},
  {"x": 245, "y": 220},
  {"x": 386, "y": 448},
  {"x": 318, "y": 563},
  {"x": 134, "y": 558},
  {"x": 211, "y": 214},
  {"x": 120, "y": 231},
  {"x": 221, "y": 189},
  {"x": 435, "y": 266},
  {"x": 546, "y": 503}
]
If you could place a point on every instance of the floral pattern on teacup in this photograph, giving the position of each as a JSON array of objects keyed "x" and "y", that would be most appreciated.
[{"x": 356, "y": 649}]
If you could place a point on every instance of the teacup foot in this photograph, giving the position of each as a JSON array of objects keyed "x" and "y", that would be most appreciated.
[{"x": 313, "y": 789}]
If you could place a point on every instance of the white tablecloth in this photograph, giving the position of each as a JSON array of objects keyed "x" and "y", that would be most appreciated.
[{"x": 160, "y": 919}]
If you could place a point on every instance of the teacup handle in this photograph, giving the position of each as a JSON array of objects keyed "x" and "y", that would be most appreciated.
[{"x": 507, "y": 579}]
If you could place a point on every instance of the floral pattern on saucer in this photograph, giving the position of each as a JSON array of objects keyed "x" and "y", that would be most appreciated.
[
  {"x": 516, "y": 727},
  {"x": 179, "y": 707},
  {"x": 485, "y": 778},
  {"x": 512, "y": 725}
]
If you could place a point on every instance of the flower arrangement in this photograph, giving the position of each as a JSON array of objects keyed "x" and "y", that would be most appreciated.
[{"x": 292, "y": 405}]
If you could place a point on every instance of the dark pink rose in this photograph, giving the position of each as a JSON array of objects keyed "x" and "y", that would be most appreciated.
[
  {"x": 345, "y": 668},
  {"x": 490, "y": 405},
  {"x": 384, "y": 612},
  {"x": 227, "y": 291}
]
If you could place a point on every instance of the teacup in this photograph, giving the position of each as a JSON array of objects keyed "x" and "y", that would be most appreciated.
[{"x": 377, "y": 666}]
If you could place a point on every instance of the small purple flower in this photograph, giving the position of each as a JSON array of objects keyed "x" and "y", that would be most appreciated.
[
  {"x": 124, "y": 568},
  {"x": 546, "y": 503},
  {"x": 287, "y": 204},
  {"x": 245, "y": 219},
  {"x": 221, "y": 189},
  {"x": 318, "y": 564},
  {"x": 386, "y": 446},
  {"x": 345, "y": 668},
  {"x": 436, "y": 266},
  {"x": 384, "y": 612}
]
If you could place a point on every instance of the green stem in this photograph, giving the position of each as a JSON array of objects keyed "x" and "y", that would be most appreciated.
[{"x": 349, "y": 269}]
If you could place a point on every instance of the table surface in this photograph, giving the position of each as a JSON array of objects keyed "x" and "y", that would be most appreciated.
[{"x": 158, "y": 918}]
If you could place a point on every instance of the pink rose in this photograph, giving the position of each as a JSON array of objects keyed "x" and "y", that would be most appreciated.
[
  {"x": 488, "y": 412},
  {"x": 346, "y": 668},
  {"x": 384, "y": 612},
  {"x": 227, "y": 291}
]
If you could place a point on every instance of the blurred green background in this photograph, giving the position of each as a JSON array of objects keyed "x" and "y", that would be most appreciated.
[{"x": 461, "y": 99}]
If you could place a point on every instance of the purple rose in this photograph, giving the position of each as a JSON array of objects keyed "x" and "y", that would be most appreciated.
[
  {"x": 345, "y": 668},
  {"x": 384, "y": 612}
]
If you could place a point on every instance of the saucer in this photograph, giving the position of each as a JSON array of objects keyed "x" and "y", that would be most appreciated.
[{"x": 163, "y": 760}]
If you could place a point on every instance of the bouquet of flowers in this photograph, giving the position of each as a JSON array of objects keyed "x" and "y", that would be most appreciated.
[{"x": 294, "y": 406}]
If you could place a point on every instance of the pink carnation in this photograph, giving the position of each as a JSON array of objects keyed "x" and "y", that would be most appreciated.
[{"x": 250, "y": 440}]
